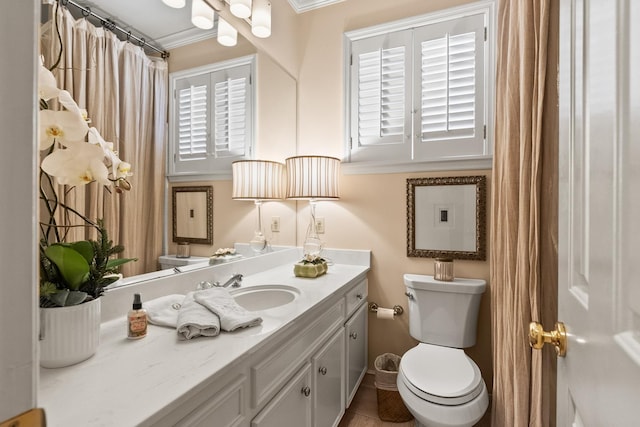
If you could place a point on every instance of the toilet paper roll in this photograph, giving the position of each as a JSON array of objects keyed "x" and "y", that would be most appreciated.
[{"x": 385, "y": 313}]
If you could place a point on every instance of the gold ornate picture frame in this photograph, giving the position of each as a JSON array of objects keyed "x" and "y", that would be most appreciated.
[
  {"x": 446, "y": 217},
  {"x": 192, "y": 209}
]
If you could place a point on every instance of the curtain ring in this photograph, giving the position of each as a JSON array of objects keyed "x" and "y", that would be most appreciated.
[
  {"x": 142, "y": 42},
  {"x": 129, "y": 35},
  {"x": 86, "y": 12}
]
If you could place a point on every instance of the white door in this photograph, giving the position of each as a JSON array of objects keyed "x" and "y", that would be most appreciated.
[{"x": 599, "y": 223}]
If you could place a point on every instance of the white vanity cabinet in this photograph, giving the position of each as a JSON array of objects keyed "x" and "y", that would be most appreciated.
[
  {"x": 356, "y": 340},
  {"x": 291, "y": 406},
  {"x": 328, "y": 382}
]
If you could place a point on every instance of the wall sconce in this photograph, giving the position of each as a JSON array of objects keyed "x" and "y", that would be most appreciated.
[
  {"x": 312, "y": 178},
  {"x": 258, "y": 180}
]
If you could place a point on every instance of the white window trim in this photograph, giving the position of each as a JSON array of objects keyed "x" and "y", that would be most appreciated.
[
  {"x": 487, "y": 7},
  {"x": 205, "y": 69}
]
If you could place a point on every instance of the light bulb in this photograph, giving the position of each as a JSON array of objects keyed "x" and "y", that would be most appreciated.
[{"x": 201, "y": 15}]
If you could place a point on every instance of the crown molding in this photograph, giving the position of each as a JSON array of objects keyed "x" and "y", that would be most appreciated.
[{"x": 301, "y": 6}]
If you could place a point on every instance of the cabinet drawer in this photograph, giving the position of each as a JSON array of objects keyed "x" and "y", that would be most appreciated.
[
  {"x": 356, "y": 296},
  {"x": 268, "y": 375}
]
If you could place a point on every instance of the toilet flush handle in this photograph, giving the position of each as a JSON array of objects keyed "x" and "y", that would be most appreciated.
[{"x": 409, "y": 295}]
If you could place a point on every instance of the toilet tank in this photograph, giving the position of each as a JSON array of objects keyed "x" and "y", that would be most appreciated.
[{"x": 443, "y": 313}]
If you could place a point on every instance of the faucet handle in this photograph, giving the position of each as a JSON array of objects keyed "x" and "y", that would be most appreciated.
[{"x": 206, "y": 285}]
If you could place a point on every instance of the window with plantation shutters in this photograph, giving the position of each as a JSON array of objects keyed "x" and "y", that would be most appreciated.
[
  {"x": 211, "y": 114},
  {"x": 419, "y": 89}
]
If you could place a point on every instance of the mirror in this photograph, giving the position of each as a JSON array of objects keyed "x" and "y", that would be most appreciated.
[
  {"x": 275, "y": 121},
  {"x": 192, "y": 209},
  {"x": 446, "y": 217}
]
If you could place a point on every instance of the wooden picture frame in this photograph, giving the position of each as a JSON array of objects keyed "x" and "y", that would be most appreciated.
[{"x": 192, "y": 209}]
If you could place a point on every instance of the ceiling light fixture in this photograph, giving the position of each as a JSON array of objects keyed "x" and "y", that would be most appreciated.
[
  {"x": 261, "y": 19},
  {"x": 201, "y": 14},
  {"x": 227, "y": 35},
  {"x": 176, "y": 4},
  {"x": 240, "y": 8}
]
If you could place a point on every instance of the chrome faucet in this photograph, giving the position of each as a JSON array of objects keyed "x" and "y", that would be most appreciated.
[{"x": 234, "y": 281}]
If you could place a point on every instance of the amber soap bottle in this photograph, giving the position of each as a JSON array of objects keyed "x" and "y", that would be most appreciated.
[{"x": 137, "y": 320}]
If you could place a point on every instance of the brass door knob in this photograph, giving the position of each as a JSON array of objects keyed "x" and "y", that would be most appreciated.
[{"x": 558, "y": 337}]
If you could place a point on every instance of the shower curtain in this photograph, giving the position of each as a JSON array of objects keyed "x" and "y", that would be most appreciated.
[
  {"x": 125, "y": 95},
  {"x": 523, "y": 252}
]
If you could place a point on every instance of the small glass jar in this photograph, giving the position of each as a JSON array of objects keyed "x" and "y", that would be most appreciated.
[
  {"x": 443, "y": 269},
  {"x": 183, "y": 250}
]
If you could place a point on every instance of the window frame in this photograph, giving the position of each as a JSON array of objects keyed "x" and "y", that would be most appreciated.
[
  {"x": 210, "y": 168},
  {"x": 382, "y": 164}
]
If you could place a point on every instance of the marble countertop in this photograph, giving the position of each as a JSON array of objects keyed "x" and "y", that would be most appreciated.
[{"x": 129, "y": 382}]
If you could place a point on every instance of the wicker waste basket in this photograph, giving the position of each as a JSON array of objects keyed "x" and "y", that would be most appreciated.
[{"x": 390, "y": 405}]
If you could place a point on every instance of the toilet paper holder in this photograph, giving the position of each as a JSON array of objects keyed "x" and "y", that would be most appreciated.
[{"x": 397, "y": 309}]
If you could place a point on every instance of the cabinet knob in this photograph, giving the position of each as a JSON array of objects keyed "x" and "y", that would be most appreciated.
[
  {"x": 306, "y": 391},
  {"x": 353, "y": 335},
  {"x": 359, "y": 296},
  {"x": 323, "y": 370}
]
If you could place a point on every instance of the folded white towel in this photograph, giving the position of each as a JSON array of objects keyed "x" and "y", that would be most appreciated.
[
  {"x": 232, "y": 316},
  {"x": 195, "y": 320},
  {"x": 163, "y": 311}
]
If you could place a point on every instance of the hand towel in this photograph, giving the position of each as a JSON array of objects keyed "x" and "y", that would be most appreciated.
[
  {"x": 163, "y": 311},
  {"x": 232, "y": 316},
  {"x": 195, "y": 320}
]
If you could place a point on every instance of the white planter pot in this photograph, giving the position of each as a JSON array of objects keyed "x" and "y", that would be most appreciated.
[{"x": 69, "y": 335}]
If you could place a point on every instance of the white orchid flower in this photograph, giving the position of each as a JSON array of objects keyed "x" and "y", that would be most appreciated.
[
  {"x": 64, "y": 127},
  {"x": 107, "y": 147},
  {"x": 47, "y": 87},
  {"x": 66, "y": 100},
  {"x": 123, "y": 170},
  {"x": 79, "y": 164}
]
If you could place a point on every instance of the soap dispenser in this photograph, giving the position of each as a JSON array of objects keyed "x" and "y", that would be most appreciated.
[{"x": 136, "y": 320}]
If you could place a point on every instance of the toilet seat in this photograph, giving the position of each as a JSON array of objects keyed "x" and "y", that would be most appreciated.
[{"x": 441, "y": 375}]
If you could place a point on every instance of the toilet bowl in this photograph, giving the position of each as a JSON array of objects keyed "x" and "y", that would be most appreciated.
[
  {"x": 438, "y": 383},
  {"x": 442, "y": 386}
]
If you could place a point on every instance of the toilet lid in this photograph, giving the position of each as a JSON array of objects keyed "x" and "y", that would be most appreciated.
[{"x": 442, "y": 375}]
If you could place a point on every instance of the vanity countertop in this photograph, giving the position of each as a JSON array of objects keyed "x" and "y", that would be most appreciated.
[{"x": 131, "y": 382}]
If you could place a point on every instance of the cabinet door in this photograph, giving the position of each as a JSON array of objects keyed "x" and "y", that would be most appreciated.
[
  {"x": 356, "y": 338},
  {"x": 291, "y": 406},
  {"x": 328, "y": 397}
]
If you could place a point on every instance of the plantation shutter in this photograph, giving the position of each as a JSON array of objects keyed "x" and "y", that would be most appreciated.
[
  {"x": 381, "y": 96},
  {"x": 449, "y": 77},
  {"x": 192, "y": 118},
  {"x": 212, "y": 120},
  {"x": 231, "y": 114}
]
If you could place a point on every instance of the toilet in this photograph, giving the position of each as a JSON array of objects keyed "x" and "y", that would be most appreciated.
[{"x": 439, "y": 384}]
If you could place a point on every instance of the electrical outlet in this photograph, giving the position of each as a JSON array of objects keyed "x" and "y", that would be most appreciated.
[
  {"x": 320, "y": 225},
  {"x": 275, "y": 224}
]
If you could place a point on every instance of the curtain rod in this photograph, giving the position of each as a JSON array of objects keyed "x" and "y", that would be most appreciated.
[{"x": 111, "y": 25}]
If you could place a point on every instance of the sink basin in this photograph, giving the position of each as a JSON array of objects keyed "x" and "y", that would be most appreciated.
[{"x": 263, "y": 297}]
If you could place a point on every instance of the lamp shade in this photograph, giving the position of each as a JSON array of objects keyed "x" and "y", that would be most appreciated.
[
  {"x": 313, "y": 177},
  {"x": 261, "y": 18},
  {"x": 227, "y": 35},
  {"x": 257, "y": 180},
  {"x": 177, "y": 4},
  {"x": 201, "y": 15},
  {"x": 240, "y": 8}
]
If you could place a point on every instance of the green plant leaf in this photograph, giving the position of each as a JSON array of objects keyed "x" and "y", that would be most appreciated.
[
  {"x": 65, "y": 298},
  {"x": 84, "y": 248},
  {"x": 73, "y": 267},
  {"x": 116, "y": 262}
]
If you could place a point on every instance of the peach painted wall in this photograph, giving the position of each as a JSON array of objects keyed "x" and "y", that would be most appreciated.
[{"x": 371, "y": 213}]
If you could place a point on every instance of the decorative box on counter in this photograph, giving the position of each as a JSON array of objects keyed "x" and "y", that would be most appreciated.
[
  {"x": 311, "y": 266},
  {"x": 223, "y": 255}
]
